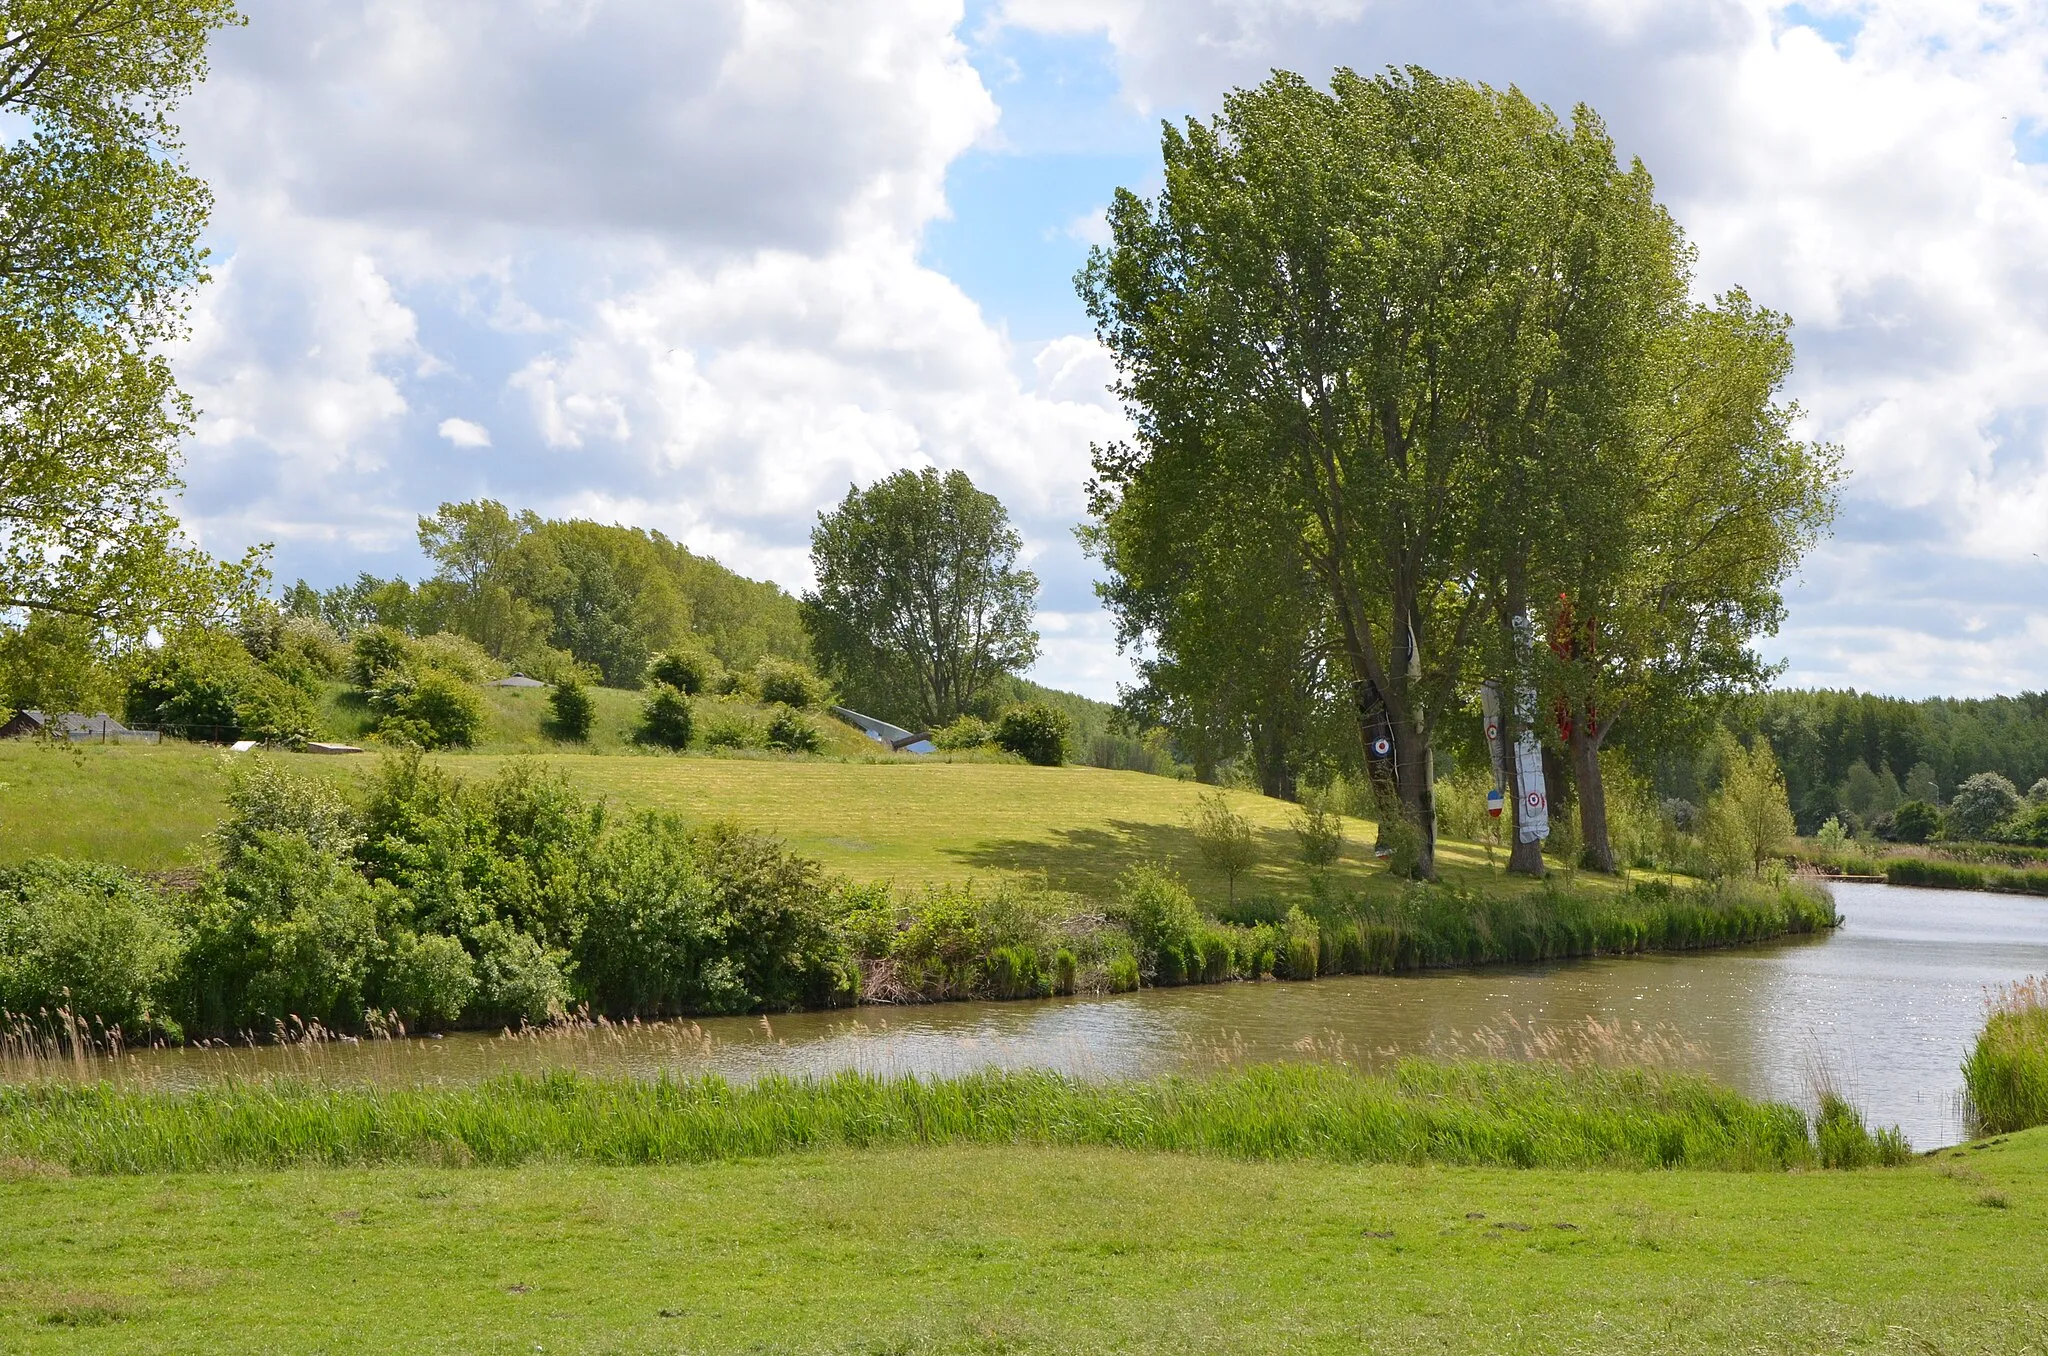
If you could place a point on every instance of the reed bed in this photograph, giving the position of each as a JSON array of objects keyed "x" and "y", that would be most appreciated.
[
  {"x": 2005, "y": 1078},
  {"x": 1468, "y": 1112},
  {"x": 1933, "y": 873}
]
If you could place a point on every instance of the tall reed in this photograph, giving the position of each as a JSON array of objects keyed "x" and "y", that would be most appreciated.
[
  {"x": 1464, "y": 1112},
  {"x": 2005, "y": 1077}
]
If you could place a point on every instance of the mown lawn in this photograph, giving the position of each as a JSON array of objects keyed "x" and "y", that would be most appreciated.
[
  {"x": 1030, "y": 1250},
  {"x": 894, "y": 818}
]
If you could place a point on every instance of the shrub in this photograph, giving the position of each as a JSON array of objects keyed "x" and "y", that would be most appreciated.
[
  {"x": 1321, "y": 833},
  {"x": 2029, "y": 827},
  {"x": 1035, "y": 732},
  {"x": 1162, "y": 918},
  {"x": 733, "y": 730},
  {"x": 1749, "y": 821},
  {"x": 264, "y": 797},
  {"x": 1832, "y": 836},
  {"x": 968, "y": 732},
  {"x": 793, "y": 732},
  {"x": 689, "y": 671},
  {"x": 1298, "y": 954},
  {"x": 652, "y": 943},
  {"x": 518, "y": 979},
  {"x": 665, "y": 718},
  {"x": 204, "y": 685},
  {"x": 289, "y": 931},
  {"x": 458, "y": 656},
  {"x": 1980, "y": 804},
  {"x": 1223, "y": 838},
  {"x": 432, "y": 708},
  {"x": 779, "y": 934},
  {"x": 2037, "y": 794},
  {"x": 570, "y": 710},
  {"x": 377, "y": 653},
  {"x": 1915, "y": 822},
  {"x": 93, "y": 939},
  {"x": 426, "y": 981},
  {"x": 787, "y": 683}
]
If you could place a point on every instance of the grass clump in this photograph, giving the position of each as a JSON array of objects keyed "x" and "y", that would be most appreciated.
[
  {"x": 1470, "y": 1113},
  {"x": 2005, "y": 1077}
]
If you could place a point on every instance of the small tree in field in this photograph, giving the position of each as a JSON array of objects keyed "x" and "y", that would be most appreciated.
[
  {"x": 1224, "y": 839},
  {"x": 1749, "y": 821},
  {"x": 665, "y": 721},
  {"x": 571, "y": 709}
]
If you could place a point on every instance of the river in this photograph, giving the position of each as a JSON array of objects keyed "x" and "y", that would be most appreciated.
[{"x": 1885, "y": 1007}]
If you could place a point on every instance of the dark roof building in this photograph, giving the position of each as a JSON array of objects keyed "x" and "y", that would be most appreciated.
[{"x": 76, "y": 726}]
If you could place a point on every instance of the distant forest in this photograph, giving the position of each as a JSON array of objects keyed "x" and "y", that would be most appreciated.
[{"x": 1859, "y": 754}]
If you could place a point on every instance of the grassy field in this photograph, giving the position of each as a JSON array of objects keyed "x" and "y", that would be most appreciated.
[
  {"x": 898, "y": 818},
  {"x": 980, "y": 1249}
]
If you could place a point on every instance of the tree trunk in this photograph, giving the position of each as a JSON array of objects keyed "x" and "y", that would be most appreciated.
[
  {"x": 1524, "y": 859},
  {"x": 1597, "y": 852}
]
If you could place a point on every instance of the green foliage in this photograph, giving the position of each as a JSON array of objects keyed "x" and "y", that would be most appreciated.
[
  {"x": 288, "y": 934},
  {"x": 2028, "y": 827},
  {"x": 263, "y": 797},
  {"x": 103, "y": 254},
  {"x": 1321, "y": 832},
  {"x": 1916, "y": 821},
  {"x": 787, "y": 684},
  {"x": 431, "y": 708},
  {"x": 1832, "y": 836},
  {"x": 520, "y": 979},
  {"x": 920, "y": 606},
  {"x": 2005, "y": 1077},
  {"x": 91, "y": 940},
  {"x": 968, "y": 732},
  {"x": 666, "y": 720},
  {"x": 56, "y": 663},
  {"x": 426, "y": 982},
  {"x": 1981, "y": 803},
  {"x": 1224, "y": 838},
  {"x": 1941, "y": 875},
  {"x": 688, "y": 671},
  {"x": 570, "y": 711},
  {"x": 792, "y": 731},
  {"x": 1748, "y": 823},
  {"x": 727, "y": 729},
  {"x": 1035, "y": 732},
  {"x": 204, "y": 685},
  {"x": 1843, "y": 1141},
  {"x": 1164, "y": 923}
]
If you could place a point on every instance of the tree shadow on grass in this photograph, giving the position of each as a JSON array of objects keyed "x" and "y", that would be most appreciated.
[{"x": 1088, "y": 861}]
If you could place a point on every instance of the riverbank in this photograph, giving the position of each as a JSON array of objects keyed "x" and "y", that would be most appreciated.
[
  {"x": 1931, "y": 872},
  {"x": 981, "y": 1249}
]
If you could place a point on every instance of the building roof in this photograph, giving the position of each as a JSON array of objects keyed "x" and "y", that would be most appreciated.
[
  {"x": 516, "y": 680},
  {"x": 68, "y": 722},
  {"x": 882, "y": 732}
]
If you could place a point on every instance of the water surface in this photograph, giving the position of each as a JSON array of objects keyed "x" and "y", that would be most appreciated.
[{"x": 1887, "y": 1007}]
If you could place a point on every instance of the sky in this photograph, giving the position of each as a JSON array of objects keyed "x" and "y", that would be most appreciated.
[{"x": 700, "y": 265}]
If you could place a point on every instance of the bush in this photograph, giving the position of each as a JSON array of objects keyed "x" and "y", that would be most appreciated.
[
  {"x": 426, "y": 981},
  {"x": 1832, "y": 836},
  {"x": 1224, "y": 838},
  {"x": 377, "y": 653},
  {"x": 689, "y": 671},
  {"x": 787, "y": 683},
  {"x": 2028, "y": 828},
  {"x": 288, "y": 932},
  {"x": 204, "y": 685},
  {"x": 1321, "y": 833},
  {"x": 791, "y": 731},
  {"x": 2037, "y": 794},
  {"x": 733, "y": 730},
  {"x": 458, "y": 656},
  {"x": 968, "y": 732},
  {"x": 1980, "y": 804},
  {"x": 1915, "y": 822},
  {"x": 1748, "y": 822},
  {"x": 1035, "y": 732},
  {"x": 264, "y": 797},
  {"x": 518, "y": 979},
  {"x": 95, "y": 940},
  {"x": 431, "y": 708},
  {"x": 570, "y": 710},
  {"x": 1162, "y": 918},
  {"x": 665, "y": 718}
]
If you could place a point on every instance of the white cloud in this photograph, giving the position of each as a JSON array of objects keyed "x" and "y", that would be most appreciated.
[{"x": 463, "y": 433}]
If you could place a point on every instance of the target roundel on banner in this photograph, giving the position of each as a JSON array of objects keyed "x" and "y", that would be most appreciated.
[
  {"x": 1535, "y": 800},
  {"x": 1382, "y": 746}
]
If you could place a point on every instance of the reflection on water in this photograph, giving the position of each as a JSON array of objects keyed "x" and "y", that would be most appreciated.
[{"x": 1888, "y": 1005}]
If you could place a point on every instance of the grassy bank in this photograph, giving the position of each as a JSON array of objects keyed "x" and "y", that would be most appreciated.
[
  {"x": 984, "y": 1249},
  {"x": 1932, "y": 873},
  {"x": 2005, "y": 1078},
  {"x": 1499, "y": 1114}
]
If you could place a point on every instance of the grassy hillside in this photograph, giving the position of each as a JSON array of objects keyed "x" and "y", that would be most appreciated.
[
  {"x": 897, "y": 818},
  {"x": 1030, "y": 1250}
]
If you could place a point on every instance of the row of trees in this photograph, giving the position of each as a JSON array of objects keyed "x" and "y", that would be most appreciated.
[{"x": 1422, "y": 399}]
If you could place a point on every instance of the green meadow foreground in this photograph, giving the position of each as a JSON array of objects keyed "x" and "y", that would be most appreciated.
[{"x": 983, "y": 1249}]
